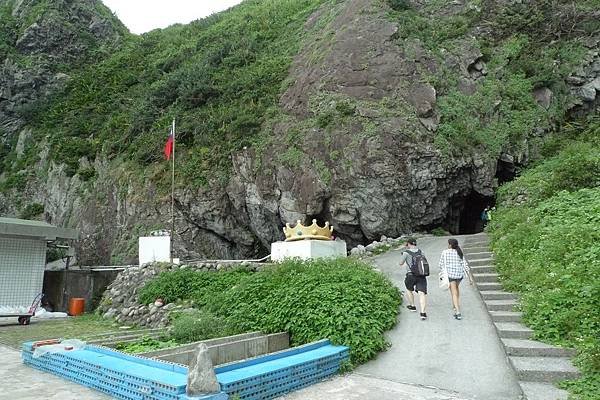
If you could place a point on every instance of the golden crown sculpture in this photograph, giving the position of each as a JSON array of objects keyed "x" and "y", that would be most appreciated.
[{"x": 314, "y": 231}]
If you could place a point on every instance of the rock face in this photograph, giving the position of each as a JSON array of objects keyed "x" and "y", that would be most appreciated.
[
  {"x": 202, "y": 379},
  {"x": 370, "y": 167},
  {"x": 48, "y": 38}
]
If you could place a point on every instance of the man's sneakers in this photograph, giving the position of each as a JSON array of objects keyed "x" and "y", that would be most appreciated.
[
  {"x": 423, "y": 316},
  {"x": 411, "y": 308},
  {"x": 458, "y": 316}
]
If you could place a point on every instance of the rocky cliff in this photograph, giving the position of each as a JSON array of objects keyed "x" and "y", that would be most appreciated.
[{"x": 392, "y": 117}]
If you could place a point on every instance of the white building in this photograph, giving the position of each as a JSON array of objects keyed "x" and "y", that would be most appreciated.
[{"x": 23, "y": 246}]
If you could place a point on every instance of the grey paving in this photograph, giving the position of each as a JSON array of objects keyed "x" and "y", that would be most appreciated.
[
  {"x": 462, "y": 356},
  {"x": 363, "y": 387},
  {"x": 19, "y": 382}
]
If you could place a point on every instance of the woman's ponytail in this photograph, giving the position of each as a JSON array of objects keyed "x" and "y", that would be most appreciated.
[{"x": 454, "y": 244}]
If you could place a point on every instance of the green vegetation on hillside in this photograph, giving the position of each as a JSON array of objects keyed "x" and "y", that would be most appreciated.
[
  {"x": 220, "y": 77},
  {"x": 525, "y": 46},
  {"x": 546, "y": 237},
  {"x": 343, "y": 300}
]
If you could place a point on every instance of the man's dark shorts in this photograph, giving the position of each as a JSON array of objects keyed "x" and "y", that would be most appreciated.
[{"x": 416, "y": 283}]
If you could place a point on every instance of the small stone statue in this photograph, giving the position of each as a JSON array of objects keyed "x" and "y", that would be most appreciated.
[{"x": 201, "y": 375}]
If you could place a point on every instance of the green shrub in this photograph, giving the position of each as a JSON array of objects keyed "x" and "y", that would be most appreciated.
[
  {"x": 439, "y": 231},
  {"x": 399, "y": 5},
  {"x": 32, "y": 210},
  {"x": 145, "y": 344},
  {"x": 343, "y": 300},
  {"x": 577, "y": 166},
  {"x": 548, "y": 250},
  {"x": 86, "y": 173},
  {"x": 186, "y": 284},
  {"x": 199, "y": 325}
]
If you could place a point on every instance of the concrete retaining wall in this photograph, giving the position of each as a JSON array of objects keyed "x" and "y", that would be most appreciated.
[{"x": 228, "y": 349}]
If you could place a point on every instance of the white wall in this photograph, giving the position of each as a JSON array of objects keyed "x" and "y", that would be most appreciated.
[
  {"x": 21, "y": 270},
  {"x": 154, "y": 248},
  {"x": 306, "y": 249}
]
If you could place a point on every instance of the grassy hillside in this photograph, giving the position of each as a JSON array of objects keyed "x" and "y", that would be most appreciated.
[
  {"x": 525, "y": 46},
  {"x": 546, "y": 237},
  {"x": 219, "y": 77}
]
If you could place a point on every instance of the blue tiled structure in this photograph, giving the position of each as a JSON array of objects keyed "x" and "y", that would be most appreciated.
[{"x": 130, "y": 377}]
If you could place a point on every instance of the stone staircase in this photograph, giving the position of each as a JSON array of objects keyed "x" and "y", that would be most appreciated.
[{"x": 537, "y": 365}]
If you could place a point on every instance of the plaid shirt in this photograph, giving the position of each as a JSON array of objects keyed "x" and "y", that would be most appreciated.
[{"x": 453, "y": 265}]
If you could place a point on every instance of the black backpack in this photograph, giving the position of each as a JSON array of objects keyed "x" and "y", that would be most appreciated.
[{"x": 419, "y": 265}]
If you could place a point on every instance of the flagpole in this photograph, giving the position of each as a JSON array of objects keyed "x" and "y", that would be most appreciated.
[{"x": 173, "y": 193}]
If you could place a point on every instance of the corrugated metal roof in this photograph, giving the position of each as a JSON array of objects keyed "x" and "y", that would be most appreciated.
[{"x": 39, "y": 229}]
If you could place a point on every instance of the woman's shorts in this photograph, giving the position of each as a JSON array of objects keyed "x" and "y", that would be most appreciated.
[
  {"x": 416, "y": 283},
  {"x": 457, "y": 280}
]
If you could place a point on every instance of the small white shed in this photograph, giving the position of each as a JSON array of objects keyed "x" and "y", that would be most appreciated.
[{"x": 23, "y": 258}]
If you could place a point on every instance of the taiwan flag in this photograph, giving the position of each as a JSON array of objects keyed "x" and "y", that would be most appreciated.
[{"x": 169, "y": 147}]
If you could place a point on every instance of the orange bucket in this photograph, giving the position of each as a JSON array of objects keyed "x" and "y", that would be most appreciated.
[{"x": 76, "y": 306}]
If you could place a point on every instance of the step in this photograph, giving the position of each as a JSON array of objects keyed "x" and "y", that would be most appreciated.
[
  {"x": 542, "y": 391},
  {"x": 484, "y": 269},
  {"x": 497, "y": 295},
  {"x": 501, "y": 305},
  {"x": 513, "y": 330},
  {"x": 481, "y": 248},
  {"x": 487, "y": 277},
  {"x": 483, "y": 286},
  {"x": 544, "y": 369},
  {"x": 506, "y": 316},
  {"x": 482, "y": 262},
  {"x": 477, "y": 243},
  {"x": 479, "y": 255},
  {"x": 532, "y": 348}
]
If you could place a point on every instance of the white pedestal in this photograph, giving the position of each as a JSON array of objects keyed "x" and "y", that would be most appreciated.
[
  {"x": 154, "y": 249},
  {"x": 306, "y": 249}
]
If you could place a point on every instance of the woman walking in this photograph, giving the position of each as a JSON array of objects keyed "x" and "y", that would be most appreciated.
[{"x": 454, "y": 264}]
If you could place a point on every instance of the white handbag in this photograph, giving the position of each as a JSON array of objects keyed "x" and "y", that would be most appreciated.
[{"x": 443, "y": 280}]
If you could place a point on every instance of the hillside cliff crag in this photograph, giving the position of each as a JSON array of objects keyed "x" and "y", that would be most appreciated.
[{"x": 381, "y": 118}]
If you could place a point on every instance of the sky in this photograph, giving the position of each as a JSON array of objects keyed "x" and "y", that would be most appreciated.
[{"x": 144, "y": 15}]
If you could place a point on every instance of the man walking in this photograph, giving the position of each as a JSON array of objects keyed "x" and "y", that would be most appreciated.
[{"x": 417, "y": 270}]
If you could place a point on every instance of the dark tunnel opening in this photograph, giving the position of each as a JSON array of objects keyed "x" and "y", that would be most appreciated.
[{"x": 464, "y": 216}]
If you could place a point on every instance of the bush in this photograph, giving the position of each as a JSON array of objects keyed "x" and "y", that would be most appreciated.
[
  {"x": 577, "y": 166},
  {"x": 199, "y": 325},
  {"x": 548, "y": 249},
  {"x": 399, "y": 5},
  {"x": 145, "y": 344},
  {"x": 186, "y": 284},
  {"x": 343, "y": 300},
  {"x": 32, "y": 210}
]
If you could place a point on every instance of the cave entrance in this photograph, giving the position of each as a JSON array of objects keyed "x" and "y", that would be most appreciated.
[
  {"x": 470, "y": 217},
  {"x": 464, "y": 217}
]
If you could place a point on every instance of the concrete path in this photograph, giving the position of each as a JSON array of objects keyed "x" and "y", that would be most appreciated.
[
  {"x": 465, "y": 358},
  {"x": 18, "y": 381}
]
